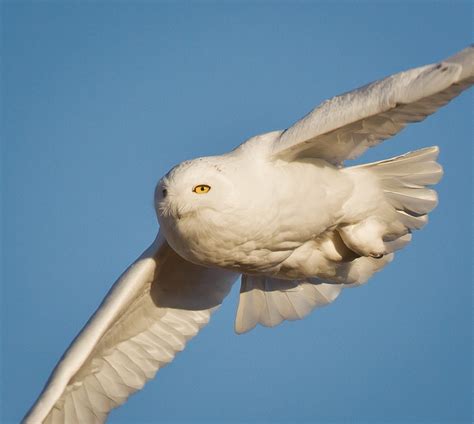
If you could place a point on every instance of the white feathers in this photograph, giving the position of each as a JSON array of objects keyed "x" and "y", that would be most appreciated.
[
  {"x": 403, "y": 180},
  {"x": 280, "y": 210},
  {"x": 345, "y": 126},
  {"x": 157, "y": 305},
  {"x": 269, "y": 301}
]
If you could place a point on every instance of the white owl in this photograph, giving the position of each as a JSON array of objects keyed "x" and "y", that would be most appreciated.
[{"x": 282, "y": 212}]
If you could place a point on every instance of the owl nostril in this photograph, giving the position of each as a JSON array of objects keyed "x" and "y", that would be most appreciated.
[{"x": 165, "y": 192}]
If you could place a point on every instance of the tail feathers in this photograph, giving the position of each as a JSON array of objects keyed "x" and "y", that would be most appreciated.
[
  {"x": 269, "y": 301},
  {"x": 397, "y": 244},
  {"x": 412, "y": 222},
  {"x": 414, "y": 201},
  {"x": 403, "y": 180}
]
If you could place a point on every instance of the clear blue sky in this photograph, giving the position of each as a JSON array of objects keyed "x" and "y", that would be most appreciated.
[{"x": 100, "y": 99}]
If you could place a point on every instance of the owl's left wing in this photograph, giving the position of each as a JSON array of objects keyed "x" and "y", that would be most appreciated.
[
  {"x": 345, "y": 126},
  {"x": 156, "y": 306}
]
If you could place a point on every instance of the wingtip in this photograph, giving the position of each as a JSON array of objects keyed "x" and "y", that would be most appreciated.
[
  {"x": 465, "y": 58},
  {"x": 434, "y": 150}
]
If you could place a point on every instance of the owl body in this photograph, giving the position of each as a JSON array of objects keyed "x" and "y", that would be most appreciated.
[{"x": 276, "y": 218}]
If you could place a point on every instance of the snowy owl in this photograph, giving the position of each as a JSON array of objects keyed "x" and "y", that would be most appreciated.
[{"x": 282, "y": 212}]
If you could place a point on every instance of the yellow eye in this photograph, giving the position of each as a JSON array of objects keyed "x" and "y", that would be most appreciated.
[{"x": 201, "y": 189}]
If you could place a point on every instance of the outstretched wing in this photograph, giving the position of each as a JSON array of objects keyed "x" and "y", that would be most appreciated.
[
  {"x": 156, "y": 306},
  {"x": 345, "y": 126}
]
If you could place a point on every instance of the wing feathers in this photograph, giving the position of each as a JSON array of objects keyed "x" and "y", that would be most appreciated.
[
  {"x": 345, "y": 126},
  {"x": 157, "y": 305},
  {"x": 269, "y": 301}
]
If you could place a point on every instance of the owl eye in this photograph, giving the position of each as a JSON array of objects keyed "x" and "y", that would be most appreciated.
[{"x": 201, "y": 189}]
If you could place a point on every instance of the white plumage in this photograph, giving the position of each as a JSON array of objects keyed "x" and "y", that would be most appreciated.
[{"x": 281, "y": 211}]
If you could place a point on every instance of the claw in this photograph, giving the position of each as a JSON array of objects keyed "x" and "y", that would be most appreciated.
[{"x": 365, "y": 237}]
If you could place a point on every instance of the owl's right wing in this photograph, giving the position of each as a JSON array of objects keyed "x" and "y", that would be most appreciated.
[
  {"x": 156, "y": 306},
  {"x": 345, "y": 126}
]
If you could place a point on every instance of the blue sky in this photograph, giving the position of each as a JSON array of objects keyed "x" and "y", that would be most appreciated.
[{"x": 100, "y": 99}]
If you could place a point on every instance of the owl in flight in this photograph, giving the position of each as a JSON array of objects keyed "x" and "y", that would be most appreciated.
[{"x": 282, "y": 212}]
